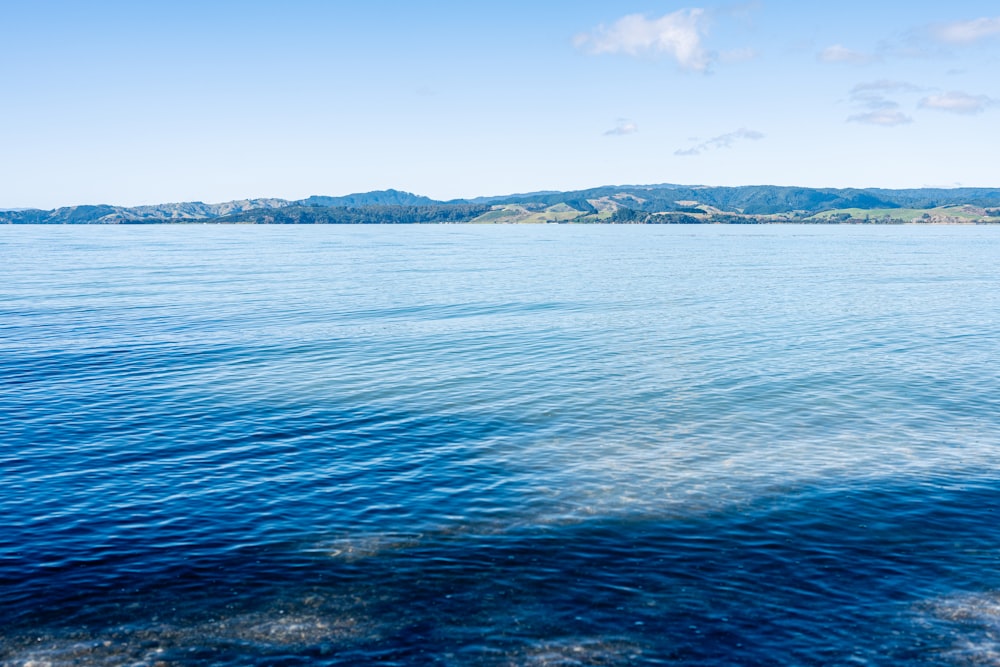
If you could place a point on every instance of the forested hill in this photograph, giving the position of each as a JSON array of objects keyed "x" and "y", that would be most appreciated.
[
  {"x": 664, "y": 203},
  {"x": 766, "y": 199},
  {"x": 360, "y": 215}
]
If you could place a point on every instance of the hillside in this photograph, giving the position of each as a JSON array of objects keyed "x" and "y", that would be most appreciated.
[{"x": 628, "y": 204}]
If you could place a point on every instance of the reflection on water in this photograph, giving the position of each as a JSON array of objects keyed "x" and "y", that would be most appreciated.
[{"x": 463, "y": 446}]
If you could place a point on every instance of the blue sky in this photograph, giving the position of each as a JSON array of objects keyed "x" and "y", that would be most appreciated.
[{"x": 131, "y": 103}]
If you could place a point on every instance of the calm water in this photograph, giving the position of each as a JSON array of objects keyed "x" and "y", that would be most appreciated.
[{"x": 499, "y": 445}]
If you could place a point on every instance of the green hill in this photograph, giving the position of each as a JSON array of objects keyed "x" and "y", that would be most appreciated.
[{"x": 632, "y": 204}]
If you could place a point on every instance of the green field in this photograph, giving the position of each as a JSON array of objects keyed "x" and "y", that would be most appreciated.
[
  {"x": 514, "y": 214},
  {"x": 907, "y": 214},
  {"x": 563, "y": 213}
]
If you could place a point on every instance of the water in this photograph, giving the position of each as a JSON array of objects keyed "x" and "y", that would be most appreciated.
[{"x": 460, "y": 445}]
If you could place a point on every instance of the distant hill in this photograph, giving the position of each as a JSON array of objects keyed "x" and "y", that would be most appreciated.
[
  {"x": 768, "y": 199},
  {"x": 377, "y": 198},
  {"x": 157, "y": 213},
  {"x": 631, "y": 204},
  {"x": 360, "y": 215}
]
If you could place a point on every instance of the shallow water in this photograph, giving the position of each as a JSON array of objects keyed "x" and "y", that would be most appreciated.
[{"x": 461, "y": 445}]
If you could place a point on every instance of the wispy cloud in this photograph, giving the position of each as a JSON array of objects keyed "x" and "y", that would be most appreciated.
[
  {"x": 741, "y": 11},
  {"x": 875, "y": 94},
  {"x": 882, "y": 117},
  {"x": 841, "y": 54},
  {"x": 874, "y": 101},
  {"x": 677, "y": 35},
  {"x": 967, "y": 32},
  {"x": 957, "y": 102},
  {"x": 624, "y": 127},
  {"x": 722, "y": 141},
  {"x": 879, "y": 100},
  {"x": 885, "y": 86},
  {"x": 934, "y": 41}
]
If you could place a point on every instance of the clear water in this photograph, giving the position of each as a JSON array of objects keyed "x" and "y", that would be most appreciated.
[{"x": 459, "y": 445}]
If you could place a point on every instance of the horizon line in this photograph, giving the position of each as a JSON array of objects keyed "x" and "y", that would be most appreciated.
[{"x": 507, "y": 195}]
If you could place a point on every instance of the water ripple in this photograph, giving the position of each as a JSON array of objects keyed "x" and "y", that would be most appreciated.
[{"x": 499, "y": 446}]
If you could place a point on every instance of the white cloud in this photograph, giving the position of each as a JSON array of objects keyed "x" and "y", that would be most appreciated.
[
  {"x": 677, "y": 35},
  {"x": 623, "y": 128},
  {"x": 957, "y": 102},
  {"x": 967, "y": 32},
  {"x": 722, "y": 141},
  {"x": 841, "y": 54},
  {"x": 883, "y": 117}
]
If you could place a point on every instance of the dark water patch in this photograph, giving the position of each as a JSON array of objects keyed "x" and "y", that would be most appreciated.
[{"x": 880, "y": 575}]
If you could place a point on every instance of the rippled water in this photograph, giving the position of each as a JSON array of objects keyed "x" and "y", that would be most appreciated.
[{"x": 457, "y": 445}]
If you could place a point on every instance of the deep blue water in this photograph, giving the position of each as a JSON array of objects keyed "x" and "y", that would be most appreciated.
[{"x": 458, "y": 445}]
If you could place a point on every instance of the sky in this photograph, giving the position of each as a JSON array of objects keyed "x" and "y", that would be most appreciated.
[{"x": 127, "y": 103}]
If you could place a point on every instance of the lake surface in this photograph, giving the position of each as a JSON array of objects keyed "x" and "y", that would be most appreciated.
[{"x": 458, "y": 445}]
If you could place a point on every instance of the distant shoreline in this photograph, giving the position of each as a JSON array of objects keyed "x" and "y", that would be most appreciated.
[{"x": 647, "y": 204}]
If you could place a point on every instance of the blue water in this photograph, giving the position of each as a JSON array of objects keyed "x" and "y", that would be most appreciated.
[{"x": 462, "y": 445}]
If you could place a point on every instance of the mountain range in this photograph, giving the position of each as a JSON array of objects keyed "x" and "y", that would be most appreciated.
[{"x": 635, "y": 204}]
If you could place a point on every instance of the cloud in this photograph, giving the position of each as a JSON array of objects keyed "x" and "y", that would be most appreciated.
[
  {"x": 623, "y": 128},
  {"x": 882, "y": 117},
  {"x": 919, "y": 42},
  {"x": 677, "y": 35},
  {"x": 841, "y": 54},
  {"x": 967, "y": 32},
  {"x": 741, "y": 11},
  {"x": 874, "y": 101},
  {"x": 885, "y": 86},
  {"x": 957, "y": 102},
  {"x": 874, "y": 94},
  {"x": 722, "y": 141},
  {"x": 878, "y": 98}
]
